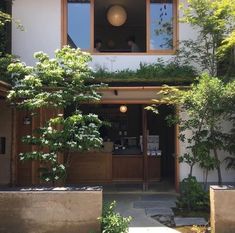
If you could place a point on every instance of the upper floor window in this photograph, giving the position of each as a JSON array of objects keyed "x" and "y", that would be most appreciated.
[
  {"x": 79, "y": 18},
  {"x": 161, "y": 25},
  {"x": 131, "y": 26}
]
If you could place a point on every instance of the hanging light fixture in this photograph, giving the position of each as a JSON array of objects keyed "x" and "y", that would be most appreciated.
[
  {"x": 123, "y": 108},
  {"x": 116, "y": 15}
]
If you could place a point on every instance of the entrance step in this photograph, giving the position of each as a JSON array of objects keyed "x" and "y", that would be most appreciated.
[
  {"x": 159, "y": 211},
  {"x": 154, "y": 204},
  {"x": 189, "y": 221}
]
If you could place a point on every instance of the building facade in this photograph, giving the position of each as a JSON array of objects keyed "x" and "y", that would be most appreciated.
[{"x": 154, "y": 28}]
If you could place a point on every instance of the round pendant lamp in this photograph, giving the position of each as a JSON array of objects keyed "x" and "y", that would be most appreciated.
[
  {"x": 123, "y": 108},
  {"x": 116, "y": 15}
]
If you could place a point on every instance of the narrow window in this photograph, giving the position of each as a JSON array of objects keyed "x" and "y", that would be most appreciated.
[
  {"x": 161, "y": 25},
  {"x": 79, "y": 21}
]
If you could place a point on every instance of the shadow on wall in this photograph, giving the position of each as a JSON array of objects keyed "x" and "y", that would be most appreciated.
[{"x": 5, "y": 142}]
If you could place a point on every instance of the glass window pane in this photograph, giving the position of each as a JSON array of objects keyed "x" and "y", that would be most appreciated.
[
  {"x": 79, "y": 24},
  {"x": 161, "y": 24}
]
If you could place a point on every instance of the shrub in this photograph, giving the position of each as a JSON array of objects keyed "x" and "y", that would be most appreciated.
[
  {"x": 192, "y": 197},
  {"x": 112, "y": 222}
]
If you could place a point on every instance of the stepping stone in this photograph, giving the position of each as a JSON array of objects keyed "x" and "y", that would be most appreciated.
[
  {"x": 159, "y": 197},
  {"x": 159, "y": 211},
  {"x": 189, "y": 221},
  {"x": 154, "y": 204}
]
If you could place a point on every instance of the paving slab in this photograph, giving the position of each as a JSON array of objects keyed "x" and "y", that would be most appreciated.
[
  {"x": 154, "y": 204},
  {"x": 159, "y": 211},
  {"x": 152, "y": 230},
  {"x": 159, "y": 197},
  {"x": 141, "y": 223},
  {"x": 189, "y": 221}
]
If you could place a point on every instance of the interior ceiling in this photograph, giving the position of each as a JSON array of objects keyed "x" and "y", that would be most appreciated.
[{"x": 135, "y": 10}]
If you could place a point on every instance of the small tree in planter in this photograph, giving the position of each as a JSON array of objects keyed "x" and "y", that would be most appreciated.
[{"x": 57, "y": 83}]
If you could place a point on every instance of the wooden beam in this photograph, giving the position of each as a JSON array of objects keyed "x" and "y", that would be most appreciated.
[
  {"x": 144, "y": 130},
  {"x": 64, "y": 27},
  {"x": 92, "y": 24},
  {"x": 139, "y": 88},
  {"x": 4, "y": 88},
  {"x": 120, "y": 101}
]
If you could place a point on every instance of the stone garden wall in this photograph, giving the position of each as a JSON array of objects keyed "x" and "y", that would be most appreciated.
[
  {"x": 50, "y": 211},
  {"x": 222, "y": 200}
]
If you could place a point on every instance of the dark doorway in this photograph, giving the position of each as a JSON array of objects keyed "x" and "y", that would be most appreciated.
[{"x": 157, "y": 125}]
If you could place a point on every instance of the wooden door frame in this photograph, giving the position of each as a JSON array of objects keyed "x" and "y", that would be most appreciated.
[{"x": 176, "y": 137}]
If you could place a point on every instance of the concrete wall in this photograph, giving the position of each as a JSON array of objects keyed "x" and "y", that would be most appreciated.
[
  {"x": 5, "y": 131},
  {"x": 222, "y": 201},
  {"x": 50, "y": 211},
  {"x": 42, "y": 23}
]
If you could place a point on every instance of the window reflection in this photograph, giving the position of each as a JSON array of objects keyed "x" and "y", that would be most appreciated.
[
  {"x": 161, "y": 21},
  {"x": 79, "y": 23}
]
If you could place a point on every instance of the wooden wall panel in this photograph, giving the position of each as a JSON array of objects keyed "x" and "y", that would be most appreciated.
[
  {"x": 92, "y": 167},
  {"x": 24, "y": 173},
  {"x": 127, "y": 168},
  {"x": 27, "y": 172},
  {"x": 154, "y": 168}
]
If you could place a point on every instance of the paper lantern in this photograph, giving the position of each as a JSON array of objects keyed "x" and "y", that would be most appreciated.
[
  {"x": 116, "y": 15},
  {"x": 123, "y": 108}
]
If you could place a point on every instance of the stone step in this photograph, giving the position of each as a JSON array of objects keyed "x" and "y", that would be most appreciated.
[
  {"x": 159, "y": 211},
  {"x": 154, "y": 204},
  {"x": 189, "y": 221}
]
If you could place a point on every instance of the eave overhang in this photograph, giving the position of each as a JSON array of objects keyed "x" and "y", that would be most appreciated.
[
  {"x": 132, "y": 95},
  {"x": 4, "y": 88}
]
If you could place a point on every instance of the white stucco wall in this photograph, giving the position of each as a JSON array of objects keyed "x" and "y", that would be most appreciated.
[
  {"x": 227, "y": 175},
  {"x": 42, "y": 28},
  {"x": 42, "y": 24}
]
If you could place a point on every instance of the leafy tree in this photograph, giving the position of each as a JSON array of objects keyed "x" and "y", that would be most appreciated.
[
  {"x": 57, "y": 83},
  {"x": 214, "y": 21},
  {"x": 208, "y": 104}
]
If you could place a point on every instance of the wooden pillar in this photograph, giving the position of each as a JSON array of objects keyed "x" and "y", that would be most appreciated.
[
  {"x": 13, "y": 164},
  {"x": 64, "y": 29},
  {"x": 144, "y": 129}
]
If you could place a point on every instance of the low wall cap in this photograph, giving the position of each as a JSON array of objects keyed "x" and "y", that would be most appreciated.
[
  {"x": 223, "y": 187},
  {"x": 53, "y": 189}
]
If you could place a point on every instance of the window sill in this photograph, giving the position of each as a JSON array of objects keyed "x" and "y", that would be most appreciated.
[{"x": 170, "y": 52}]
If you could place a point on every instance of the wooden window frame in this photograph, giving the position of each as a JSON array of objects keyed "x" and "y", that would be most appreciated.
[{"x": 64, "y": 30}]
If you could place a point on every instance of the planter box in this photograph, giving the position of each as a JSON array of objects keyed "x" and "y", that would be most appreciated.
[
  {"x": 59, "y": 210},
  {"x": 222, "y": 201}
]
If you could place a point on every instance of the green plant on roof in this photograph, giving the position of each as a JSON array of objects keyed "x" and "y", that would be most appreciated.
[{"x": 159, "y": 72}]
